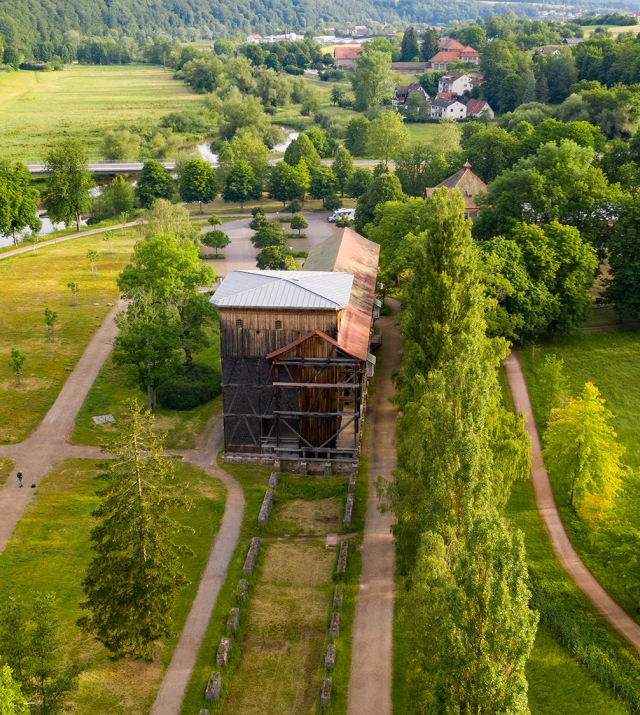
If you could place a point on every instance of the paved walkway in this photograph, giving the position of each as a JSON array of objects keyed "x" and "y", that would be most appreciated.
[
  {"x": 371, "y": 659},
  {"x": 619, "y": 619}
]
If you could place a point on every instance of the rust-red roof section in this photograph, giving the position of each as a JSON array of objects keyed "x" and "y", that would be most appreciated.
[
  {"x": 349, "y": 252},
  {"x": 347, "y": 53}
]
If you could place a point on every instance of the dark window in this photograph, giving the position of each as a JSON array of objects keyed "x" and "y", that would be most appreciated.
[
  {"x": 278, "y": 324},
  {"x": 238, "y": 323}
]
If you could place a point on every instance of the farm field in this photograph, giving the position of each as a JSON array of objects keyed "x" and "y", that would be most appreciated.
[
  {"x": 36, "y": 280},
  {"x": 611, "y": 361},
  {"x": 49, "y": 552},
  {"x": 615, "y": 30},
  {"x": 37, "y": 108}
]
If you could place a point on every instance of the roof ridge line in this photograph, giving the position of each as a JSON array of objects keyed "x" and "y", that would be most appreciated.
[{"x": 313, "y": 292}]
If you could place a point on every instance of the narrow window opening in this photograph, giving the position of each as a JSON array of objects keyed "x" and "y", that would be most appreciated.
[
  {"x": 278, "y": 324},
  {"x": 238, "y": 323}
]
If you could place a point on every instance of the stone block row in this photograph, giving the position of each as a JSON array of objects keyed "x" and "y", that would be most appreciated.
[
  {"x": 342, "y": 558},
  {"x": 252, "y": 556},
  {"x": 348, "y": 511},
  {"x": 265, "y": 509}
]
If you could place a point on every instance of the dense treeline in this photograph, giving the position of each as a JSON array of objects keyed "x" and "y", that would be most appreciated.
[
  {"x": 27, "y": 22},
  {"x": 459, "y": 452}
]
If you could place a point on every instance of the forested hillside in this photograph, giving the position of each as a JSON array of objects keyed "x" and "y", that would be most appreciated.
[{"x": 28, "y": 21}]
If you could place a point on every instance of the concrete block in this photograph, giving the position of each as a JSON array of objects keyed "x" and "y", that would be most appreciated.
[
  {"x": 273, "y": 480},
  {"x": 327, "y": 469},
  {"x": 348, "y": 512},
  {"x": 334, "y": 628},
  {"x": 222, "y": 657},
  {"x": 276, "y": 466},
  {"x": 338, "y": 594},
  {"x": 352, "y": 483},
  {"x": 265, "y": 509},
  {"x": 325, "y": 693},
  {"x": 242, "y": 589},
  {"x": 204, "y": 712},
  {"x": 342, "y": 558},
  {"x": 330, "y": 657},
  {"x": 213, "y": 687},
  {"x": 233, "y": 621},
  {"x": 252, "y": 556}
]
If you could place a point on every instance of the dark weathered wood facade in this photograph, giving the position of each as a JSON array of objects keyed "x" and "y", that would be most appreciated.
[{"x": 290, "y": 392}]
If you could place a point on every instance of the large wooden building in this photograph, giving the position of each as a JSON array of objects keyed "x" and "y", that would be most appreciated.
[{"x": 295, "y": 348}]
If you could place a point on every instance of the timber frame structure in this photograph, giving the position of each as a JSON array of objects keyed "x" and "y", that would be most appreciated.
[{"x": 294, "y": 387}]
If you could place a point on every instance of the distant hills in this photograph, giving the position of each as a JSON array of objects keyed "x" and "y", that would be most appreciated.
[{"x": 28, "y": 21}]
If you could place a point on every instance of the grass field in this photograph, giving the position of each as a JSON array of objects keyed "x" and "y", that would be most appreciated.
[
  {"x": 285, "y": 632},
  {"x": 82, "y": 101},
  {"x": 264, "y": 644},
  {"x": 49, "y": 551},
  {"x": 36, "y": 280},
  {"x": 615, "y": 30},
  {"x": 612, "y": 361}
]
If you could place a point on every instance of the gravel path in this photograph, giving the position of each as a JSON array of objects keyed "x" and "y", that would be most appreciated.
[
  {"x": 619, "y": 619},
  {"x": 34, "y": 456},
  {"x": 176, "y": 678},
  {"x": 371, "y": 659}
]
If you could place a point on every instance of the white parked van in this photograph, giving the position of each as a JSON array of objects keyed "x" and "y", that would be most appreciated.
[{"x": 339, "y": 213}]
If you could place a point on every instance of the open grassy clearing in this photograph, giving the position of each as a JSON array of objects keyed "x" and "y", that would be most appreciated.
[
  {"x": 36, "y": 280},
  {"x": 49, "y": 551},
  {"x": 612, "y": 361},
  {"x": 615, "y": 30},
  {"x": 83, "y": 101},
  {"x": 285, "y": 632}
]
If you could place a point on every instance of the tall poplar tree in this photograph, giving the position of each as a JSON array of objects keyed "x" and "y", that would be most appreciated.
[
  {"x": 136, "y": 573},
  {"x": 443, "y": 292}
]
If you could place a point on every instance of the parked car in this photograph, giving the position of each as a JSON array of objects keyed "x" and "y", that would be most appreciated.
[{"x": 339, "y": 213}]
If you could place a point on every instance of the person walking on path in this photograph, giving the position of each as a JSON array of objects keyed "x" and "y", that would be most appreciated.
[{"x": 19, "y": 475}]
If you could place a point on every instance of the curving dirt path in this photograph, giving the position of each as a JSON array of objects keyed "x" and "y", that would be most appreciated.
[
  {"x": 34, "y": 456},
  {"x": 372, "y": 645},
  {"x": 617, "y": 617}
]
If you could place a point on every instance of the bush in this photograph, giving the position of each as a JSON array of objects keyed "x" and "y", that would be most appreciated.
[
  {"x": 197, "y": 385},
  {"x": 292, "y": 69}
]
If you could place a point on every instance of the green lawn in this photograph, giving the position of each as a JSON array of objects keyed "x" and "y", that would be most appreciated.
[
  {"x": 82, "y": 101},
  {"x": 111, "y": 388},
  {"x": 611, "y": 360},
  {"x": 49, "y": 551},
  {"x": 36, "y": 280},
  {"x": 424, "y": 132},
  {"x": 263, "y": 646}
]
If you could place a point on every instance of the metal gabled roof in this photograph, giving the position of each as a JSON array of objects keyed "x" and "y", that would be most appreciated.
[{"x": 318, "y": 290}]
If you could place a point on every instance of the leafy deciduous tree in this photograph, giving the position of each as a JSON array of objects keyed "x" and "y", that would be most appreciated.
[{"x": 66, "y": 196}]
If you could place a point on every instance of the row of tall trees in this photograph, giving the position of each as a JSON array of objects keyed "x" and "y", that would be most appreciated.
[{"x": 459, "y": 452}]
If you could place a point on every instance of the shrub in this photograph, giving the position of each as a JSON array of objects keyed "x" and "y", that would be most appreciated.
[{"x": 195, "y": 386}]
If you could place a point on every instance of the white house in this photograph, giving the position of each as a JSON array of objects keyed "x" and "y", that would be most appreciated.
[
  {"x": 476, "y": 107},
  {"x": 444, "y": 107},
  {"x": 455, "y": 82}
]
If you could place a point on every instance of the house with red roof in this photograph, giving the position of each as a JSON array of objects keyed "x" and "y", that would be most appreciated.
[
  {"x": 344, "y": 58},
  {"x": 477, "y": 107},
  {"x": 467, "y": 183}
]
